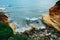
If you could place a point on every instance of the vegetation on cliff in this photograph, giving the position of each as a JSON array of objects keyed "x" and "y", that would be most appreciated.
[
  {"x": 5, "y": 31},
  {"x": 20, "y": 37}
]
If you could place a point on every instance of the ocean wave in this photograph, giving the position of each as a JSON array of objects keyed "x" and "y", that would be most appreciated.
[
  {"x": 24, "y": 25},
  {"x": 34, "y": 19}
]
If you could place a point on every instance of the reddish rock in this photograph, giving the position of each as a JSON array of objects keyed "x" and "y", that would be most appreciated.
[
  {"x": 27, "y": 32},
  {"x": 54, "y": 13},
  {"x": 3, "y": 18}
]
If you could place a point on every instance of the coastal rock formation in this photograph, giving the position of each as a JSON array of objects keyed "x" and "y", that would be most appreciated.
[
  {"x": 50, "y": 23},
  {"x": 33, "y": 26},
  {"x": 54, "y": 13},
  {"x": 4, "y": 18},
  {"x": 53, "y": 19}
]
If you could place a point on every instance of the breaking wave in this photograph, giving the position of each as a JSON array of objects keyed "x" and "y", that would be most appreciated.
[{"x": 24, "y": 25}]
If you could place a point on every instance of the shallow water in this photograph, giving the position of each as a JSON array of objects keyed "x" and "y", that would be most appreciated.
[{"x": 20, "y": 9}]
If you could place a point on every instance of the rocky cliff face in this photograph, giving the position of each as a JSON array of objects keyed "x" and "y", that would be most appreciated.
[
  {"x": 54, "y": 13},
  {"x": 3, "y": 18},
  {"x": 53, "y": 19}
]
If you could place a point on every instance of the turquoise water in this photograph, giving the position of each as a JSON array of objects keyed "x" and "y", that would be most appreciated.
[{"x": 20, "y": 9}]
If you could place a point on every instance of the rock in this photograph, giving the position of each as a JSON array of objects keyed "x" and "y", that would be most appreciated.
[
  {"x": 55, "y": 10},
  {"x": 47, "y": 34},
  {"x": 33, "y": 26},
  {"x": 59, "y": 38},
  {"x": 13, "y": 27},
  {"x": 46, "y": 19},
  {"x": 27, "y": 32},
  {"x": 35, "y": 38},
  {"x": 3, "y": 18},
  {"x": 53, "y": 19},
  {"x": 54, "y": 13}
]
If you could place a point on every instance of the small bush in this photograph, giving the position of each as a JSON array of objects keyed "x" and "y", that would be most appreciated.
[
  {"x": 20, "y": 37},
  {"x": 5, "y": 31}
]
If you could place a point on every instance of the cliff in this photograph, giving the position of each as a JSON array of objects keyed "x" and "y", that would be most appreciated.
[{"x": 53, "y": 18}]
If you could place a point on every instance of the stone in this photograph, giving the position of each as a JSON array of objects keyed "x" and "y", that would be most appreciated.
[
  {"x": 46, "y": 19},
  {"x": 27, "y": 32},
  {"x": 33, "y": 26}
]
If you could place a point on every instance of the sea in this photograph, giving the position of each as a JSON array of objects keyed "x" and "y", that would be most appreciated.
[{"x": 21, "y": 11}]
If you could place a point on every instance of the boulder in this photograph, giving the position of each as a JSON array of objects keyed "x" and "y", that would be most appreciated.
[
  {"x": 33, "y": 26},
  {"x": 27, "y": 32}
]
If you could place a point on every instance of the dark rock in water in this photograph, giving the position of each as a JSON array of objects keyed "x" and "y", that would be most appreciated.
[{"x": 37, "y": 22}]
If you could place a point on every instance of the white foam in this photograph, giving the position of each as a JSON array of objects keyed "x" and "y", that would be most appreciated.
[{"x": 2, "y": 9}]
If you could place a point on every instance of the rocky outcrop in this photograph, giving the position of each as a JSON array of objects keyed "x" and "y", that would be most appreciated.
[
  {"x": 54, "y": 13},
  {"x": 13, "y": 27},
  {"x": 53, "y": 18},
  {"x": 33, "y": 26},
  {"x": 50, "y": 23},
  {"x": 4, "y": 18}
]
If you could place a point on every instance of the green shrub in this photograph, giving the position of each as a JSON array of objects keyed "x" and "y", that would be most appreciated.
[
  {"x": 20, "y": 37},
  {"x": 5, "y": 31},
  {"x": 40, "y": 38}
]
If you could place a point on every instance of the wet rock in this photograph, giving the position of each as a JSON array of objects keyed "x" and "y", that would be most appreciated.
[
  {"x": 27, "y": 32},
  {"x": 33, "y": 26}
]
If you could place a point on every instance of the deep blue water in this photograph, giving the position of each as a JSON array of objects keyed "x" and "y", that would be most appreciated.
[{"x": 20, "y": 9}]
